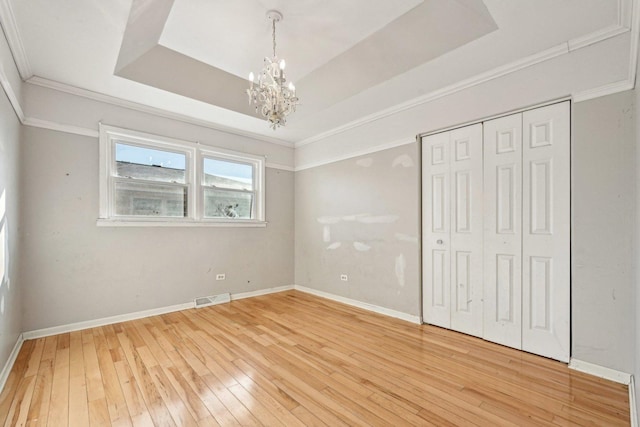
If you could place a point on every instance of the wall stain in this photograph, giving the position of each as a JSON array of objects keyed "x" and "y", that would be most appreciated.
[{"x": 403, "y": 160}]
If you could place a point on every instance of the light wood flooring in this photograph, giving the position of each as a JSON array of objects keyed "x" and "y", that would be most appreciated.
[{"x": 293, "y": 359}]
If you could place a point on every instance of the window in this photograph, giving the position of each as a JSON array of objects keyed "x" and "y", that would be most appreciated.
[
  {"x": 227, "y": 187},
  {"x": 151, "y": 180}
]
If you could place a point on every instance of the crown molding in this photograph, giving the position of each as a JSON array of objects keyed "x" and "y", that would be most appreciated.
[
  {"x": 60, "y": 127},
  {"x": 630, "y": 82},
  {"x": 625, "y": 14},
  {"x": 445, "y": 91},
  {"x": 531, "y": 60},
  {"x": 279, "y": 166},
  {"x": 119, "y": 102},
  {"x": 8, "y": 21},
  {"x": 11, "y": 95},
  {"x": 92, "y": 133},
  {"x": 369, "y": 150},
  {"x": 635, "y": 41},
  {"x": 608, "y": 89},
  {"x": 597, "y": 36},
  {"x": 75, "y": 130}
]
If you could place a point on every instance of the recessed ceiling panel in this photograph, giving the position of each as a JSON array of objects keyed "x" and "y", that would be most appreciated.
[
  {"x": 427, "y": 32},
  {"x": 367, "y": 57},
  {"x": 311, "y": 33}
]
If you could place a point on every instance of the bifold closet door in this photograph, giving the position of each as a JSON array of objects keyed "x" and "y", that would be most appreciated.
[
  {"x": 436, "y": 231},
  {"x": 527, "y": 231},
  {"x": 546, "y": 231},
  {"x": 503, "y": 230},
  {"x": 452, "y": 229},
  {"x": 496, "y": 230},
  {"x": 466, "y": 230}
]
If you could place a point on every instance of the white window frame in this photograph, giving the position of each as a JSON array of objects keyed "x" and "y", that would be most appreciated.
[
  {"x": 195, "y": 153},
  {"x": 256, "y": 162}
]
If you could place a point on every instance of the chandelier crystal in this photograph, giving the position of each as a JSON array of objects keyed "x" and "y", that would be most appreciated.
[{"x": 272, "y": 96}]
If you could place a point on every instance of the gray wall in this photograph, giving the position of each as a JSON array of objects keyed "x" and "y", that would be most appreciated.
[
  {"x": 361, "y": 217},
  {"x": 75, "y": 271},
  {"x": 636, "y": 245},
  {"x": 603, "y": 286},
  {"x": 10, "y": 284}
]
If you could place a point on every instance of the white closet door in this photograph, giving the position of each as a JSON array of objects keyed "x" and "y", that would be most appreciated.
[
  {"x": 435, "y": 229},
  {"x": 466, "y": 229},
  {"x": 546, "y": 231},
  {"x": 503, "y": 230}
]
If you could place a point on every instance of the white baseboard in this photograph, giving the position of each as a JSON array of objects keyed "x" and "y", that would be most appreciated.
[
  {"x": 260, "y": 292},
  {"x": 62, "y": 329},
  {"x": 71, "y": 327},
  {"x": 633, "y": 409},
  {"x": 4, "y": 375},
  {"x": 360, "y": 304},
  {"x": 600, "y": 371}
]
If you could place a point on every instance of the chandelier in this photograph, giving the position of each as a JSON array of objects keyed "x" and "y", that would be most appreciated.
[{"x": 272, "y": 97}]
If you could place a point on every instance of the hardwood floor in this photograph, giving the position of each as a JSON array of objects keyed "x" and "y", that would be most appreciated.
[{"x": 293, "y": 359}]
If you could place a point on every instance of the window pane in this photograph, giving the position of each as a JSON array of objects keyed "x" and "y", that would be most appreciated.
[
  {"x": 150, "y": 164},
  {"x": 138, "y": 199},
  {"x": 224, "y": 174},
  {"x": 227, "y": 204}
]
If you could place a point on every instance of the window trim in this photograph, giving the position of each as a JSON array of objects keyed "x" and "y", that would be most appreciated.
[{"x": 195, "y": 153}]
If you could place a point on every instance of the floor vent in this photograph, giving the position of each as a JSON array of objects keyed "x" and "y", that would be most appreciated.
[{"x": 212, "y": 300}]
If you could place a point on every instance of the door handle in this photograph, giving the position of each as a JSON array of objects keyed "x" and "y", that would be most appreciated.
[{"x": 439, "y": 241}]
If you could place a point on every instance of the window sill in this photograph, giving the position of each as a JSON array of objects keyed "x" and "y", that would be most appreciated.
[{"x": 102, "y": 222}]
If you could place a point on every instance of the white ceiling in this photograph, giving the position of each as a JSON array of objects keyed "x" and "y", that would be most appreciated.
[
  {"x": 200, "y": 29},
  {"x": 192, "y": 56}
]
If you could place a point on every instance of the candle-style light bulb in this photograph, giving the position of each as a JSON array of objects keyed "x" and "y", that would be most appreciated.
[
  {"x": 251, "y": 77},
  {"x": 282, "y": 64}
]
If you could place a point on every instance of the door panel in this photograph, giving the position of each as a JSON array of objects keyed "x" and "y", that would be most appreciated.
[
  {"x": 435, "y": 230},
  {"x": 503, "y": 230},
  {"x": 546, "y": 231},
  {"x": 466, "y": 229}
]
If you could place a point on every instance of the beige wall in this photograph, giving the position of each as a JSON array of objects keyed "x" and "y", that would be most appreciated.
[
  {"x": 11, "y": 287},
  {"x": 361, "y": 217},
  {"x": 75, "y": 271}
]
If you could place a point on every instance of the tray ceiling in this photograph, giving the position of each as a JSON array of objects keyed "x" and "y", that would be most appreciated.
[{"x": 193, "y": 56}]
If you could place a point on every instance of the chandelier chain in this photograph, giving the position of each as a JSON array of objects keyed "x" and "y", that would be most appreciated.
[{"x": 273, "y": 22}]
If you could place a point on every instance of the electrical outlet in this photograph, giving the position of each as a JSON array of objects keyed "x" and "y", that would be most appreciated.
[
  {"x": 220, "y": 276},
  {"x": 344, "y": 277}
]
